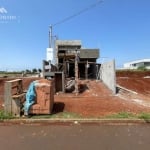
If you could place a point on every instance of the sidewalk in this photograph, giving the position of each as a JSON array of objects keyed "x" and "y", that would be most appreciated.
[{"x": 73, "y": 121}]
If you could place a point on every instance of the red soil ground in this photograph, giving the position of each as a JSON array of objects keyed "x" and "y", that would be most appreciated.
[
  {"x": 95, "y": 99},
  {"x": 98, "y": 101},
  {"x": 136, "y": 81}
]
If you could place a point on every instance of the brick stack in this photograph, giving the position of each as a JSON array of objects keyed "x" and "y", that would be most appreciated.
[{"x": 44, "y": 97}]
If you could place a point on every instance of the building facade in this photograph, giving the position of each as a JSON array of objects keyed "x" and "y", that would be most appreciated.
[
  {"x": 138, "y": 63},
  {"x": 69, "y": 62}
]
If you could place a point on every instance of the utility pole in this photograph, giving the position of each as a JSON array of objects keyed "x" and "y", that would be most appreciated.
[{"x": 50, "y": 36}]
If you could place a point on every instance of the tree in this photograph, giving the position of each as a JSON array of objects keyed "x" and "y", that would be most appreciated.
[
  {"x": 28, "y": 71},
  {"x": 39, "y": 70},
  {"x": 34, "y": 70}
]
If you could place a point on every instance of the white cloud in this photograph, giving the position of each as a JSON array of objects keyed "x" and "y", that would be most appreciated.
[{"x": 3, "y": 10}]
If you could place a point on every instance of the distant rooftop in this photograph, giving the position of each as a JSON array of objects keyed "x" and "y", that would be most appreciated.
[{"x": 138, "y": 61}]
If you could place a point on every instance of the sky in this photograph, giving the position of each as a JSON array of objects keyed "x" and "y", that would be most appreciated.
[{"x": 119, "y": 28}]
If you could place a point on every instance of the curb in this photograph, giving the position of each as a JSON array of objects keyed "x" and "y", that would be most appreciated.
[{"x": 73, "y": 121}]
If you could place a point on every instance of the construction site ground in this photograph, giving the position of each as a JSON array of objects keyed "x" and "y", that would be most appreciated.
[{"x": 96, "y": 100}]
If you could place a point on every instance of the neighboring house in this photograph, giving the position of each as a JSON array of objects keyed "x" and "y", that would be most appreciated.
[{"x": 138, "y": 63}]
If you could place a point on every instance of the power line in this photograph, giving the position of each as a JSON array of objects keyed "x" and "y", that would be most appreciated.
[
  {"x": 78, "y": 13},
  {"x": 69, "y": 18}
]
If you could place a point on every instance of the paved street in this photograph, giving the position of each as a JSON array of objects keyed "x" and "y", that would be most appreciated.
[{"x": 75, "y": 137}]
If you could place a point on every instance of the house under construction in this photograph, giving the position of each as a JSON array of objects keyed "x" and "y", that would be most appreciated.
[
  {"x": 69, "y": 61},
  {"x": 69, "y": 51},
  {"x": 67, "y": 54}
]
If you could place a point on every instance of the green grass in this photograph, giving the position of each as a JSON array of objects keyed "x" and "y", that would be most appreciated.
[
  {"x": 122, "y": 115},
  {"x": 128, "y": 115},
  {"x": 63, "y": 115},
  {"x": 70, "y": 115},
  {"x": 4, "y": 115},
  {"x": 145, "y": 116}
]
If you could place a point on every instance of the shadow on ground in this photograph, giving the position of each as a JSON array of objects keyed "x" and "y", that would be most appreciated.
[{"x": 58, "y": 107}]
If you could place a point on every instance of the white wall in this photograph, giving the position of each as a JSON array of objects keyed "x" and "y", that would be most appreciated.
[
  {"x": 108, "y": 75},
  {"x": 50, "y": 55}
]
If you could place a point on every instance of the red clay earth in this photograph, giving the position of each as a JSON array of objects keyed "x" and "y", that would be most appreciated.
[
  {"x": 136, "y": 81},
  {"x": 96, "y": 100}
]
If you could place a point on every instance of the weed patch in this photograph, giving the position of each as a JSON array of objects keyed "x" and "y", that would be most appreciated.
[
  {"x": 4, "y": 115},
  {"x": 122, "y": 115},
  {"x": 65, "y": 115},
  {"x": 128, "y": 115},
  {"x": 145, "y": 116}
]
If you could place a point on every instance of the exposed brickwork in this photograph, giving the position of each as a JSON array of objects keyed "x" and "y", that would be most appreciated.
[{"x": 44, "y": 97}]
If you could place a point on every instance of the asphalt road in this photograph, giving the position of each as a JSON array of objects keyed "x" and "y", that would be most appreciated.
[{"x": 75, "y": 137}]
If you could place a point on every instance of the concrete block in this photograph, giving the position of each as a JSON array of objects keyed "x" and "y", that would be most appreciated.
[{"x": 108, "y": 75}]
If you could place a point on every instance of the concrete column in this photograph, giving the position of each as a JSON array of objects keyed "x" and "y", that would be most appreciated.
[
  {"x": 76, "y": 73},
  {"x": 86, "y": 70}
]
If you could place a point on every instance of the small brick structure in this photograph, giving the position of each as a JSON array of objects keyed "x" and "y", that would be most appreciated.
[
  {"x": 44, "y": 97},
  {"x": 14, "y": 97}
]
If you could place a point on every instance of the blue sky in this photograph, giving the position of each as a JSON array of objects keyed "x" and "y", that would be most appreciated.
[{"x": 119, "y": 28}]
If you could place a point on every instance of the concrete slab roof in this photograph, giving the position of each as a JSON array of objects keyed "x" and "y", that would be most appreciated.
[
  {"x": 89, "y": 53},
  {"x": 68, "y": 43}
]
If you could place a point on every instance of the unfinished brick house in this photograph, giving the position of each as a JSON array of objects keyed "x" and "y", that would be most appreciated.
[{"x": 67, "y": 53}]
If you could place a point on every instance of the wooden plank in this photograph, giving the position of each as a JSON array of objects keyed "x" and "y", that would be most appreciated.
[
  {"x": 13, "y": 81},
  {"x": 16, "y": 107},
  {"x": 14, "y": 96},
  {"x": 7, "y": 97},
  {"x": 18, "y": 96}
]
